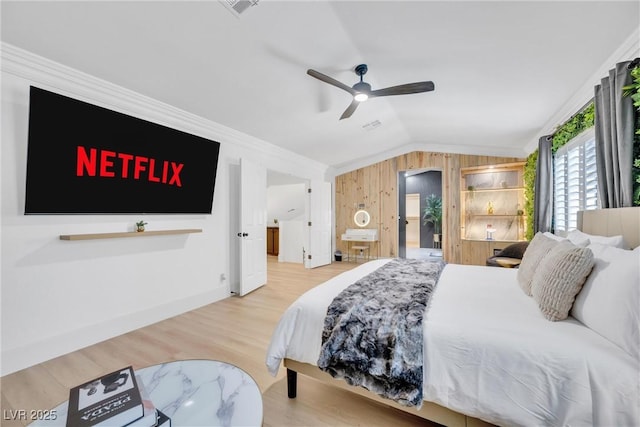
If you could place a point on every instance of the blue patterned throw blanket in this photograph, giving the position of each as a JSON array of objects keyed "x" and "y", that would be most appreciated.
[{"x": 372, "y": 333}]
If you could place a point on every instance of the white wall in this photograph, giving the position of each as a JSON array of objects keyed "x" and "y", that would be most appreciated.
[
  {"x": 59, "y": 296},
  {"x": 285, "y": 202}
]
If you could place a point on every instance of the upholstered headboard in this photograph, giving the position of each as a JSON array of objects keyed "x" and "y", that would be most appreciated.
[{"x": 612, "y": 222}]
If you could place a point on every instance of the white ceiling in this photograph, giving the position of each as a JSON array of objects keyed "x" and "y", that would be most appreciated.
[{"x": 502, "y": 70}]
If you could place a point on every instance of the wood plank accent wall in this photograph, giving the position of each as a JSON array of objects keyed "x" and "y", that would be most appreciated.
[{"x": 376, "y": 187}]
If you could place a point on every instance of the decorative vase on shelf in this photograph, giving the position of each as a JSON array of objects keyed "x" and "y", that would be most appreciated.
[{"x": 490, "y": 208}]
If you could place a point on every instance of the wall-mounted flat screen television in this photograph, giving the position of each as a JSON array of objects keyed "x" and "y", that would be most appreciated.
[{"x": 86, "y": 159}]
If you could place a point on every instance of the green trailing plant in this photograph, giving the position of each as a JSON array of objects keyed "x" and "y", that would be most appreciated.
[
  {"x": 633, "y": 90},
  {"x": 529, "y": 186},
  {"x": 574, "y": 126},
  {"x": 432, "y": 212}
]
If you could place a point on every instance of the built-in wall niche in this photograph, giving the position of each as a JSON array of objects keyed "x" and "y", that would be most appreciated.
[{"x": 492, "y": 199}]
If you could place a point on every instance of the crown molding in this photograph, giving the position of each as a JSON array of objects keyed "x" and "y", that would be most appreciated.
[
  {"x": 628, "y": 50},
  {"x": 85, "y": 87},
  {"x": 472, "y": 150}
]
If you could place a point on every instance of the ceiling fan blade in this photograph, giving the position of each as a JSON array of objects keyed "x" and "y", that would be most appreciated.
[
  {"x": 405, "y": 89},
  {"x": 318, "y": 75},
  {"x": 350, "y": 109}
]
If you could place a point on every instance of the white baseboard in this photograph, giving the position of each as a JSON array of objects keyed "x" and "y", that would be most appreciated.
[{"x": 26, "y": 356}]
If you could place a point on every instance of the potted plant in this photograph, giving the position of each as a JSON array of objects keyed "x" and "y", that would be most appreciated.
[
  {"x": 140, "y": 226},
  {"x": 432, "y": 213}
]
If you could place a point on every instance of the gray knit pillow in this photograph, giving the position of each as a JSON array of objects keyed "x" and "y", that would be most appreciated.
[
  {"x": 559, "y": 278},
  {"x": 539, "y": 247}
]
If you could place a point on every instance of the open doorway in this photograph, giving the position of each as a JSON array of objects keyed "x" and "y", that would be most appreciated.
[
  {"x": 419, "y": 237},
  {"x": 280, "y": 209},
  {"x": 298, "y": 219},
  {"x": 286, "y": 215}
]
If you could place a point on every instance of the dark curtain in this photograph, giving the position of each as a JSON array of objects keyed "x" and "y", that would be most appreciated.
[
  {"x": 543, "y": 191},
  {"x": 614, "y": 129}
]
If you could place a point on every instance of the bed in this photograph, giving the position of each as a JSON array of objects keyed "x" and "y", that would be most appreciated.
[{"x": 490, "y": 353}]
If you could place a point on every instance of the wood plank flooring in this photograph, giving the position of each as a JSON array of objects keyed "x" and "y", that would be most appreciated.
[{"x": 236, "y": 330}]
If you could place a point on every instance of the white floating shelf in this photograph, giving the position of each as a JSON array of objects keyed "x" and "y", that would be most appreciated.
[{"x": 94, "y": 236}]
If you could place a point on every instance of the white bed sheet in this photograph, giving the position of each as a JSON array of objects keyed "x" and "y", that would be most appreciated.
[{"x": 490, "y": 354}]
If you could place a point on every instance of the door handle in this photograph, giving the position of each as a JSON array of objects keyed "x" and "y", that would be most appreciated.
[{"x": 406, "y": 223}]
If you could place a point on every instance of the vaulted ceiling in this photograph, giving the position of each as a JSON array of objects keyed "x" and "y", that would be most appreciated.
[{"x": 504, "y": 71}]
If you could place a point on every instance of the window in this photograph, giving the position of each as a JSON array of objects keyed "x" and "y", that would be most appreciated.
[{"x": 575, "y": 180}]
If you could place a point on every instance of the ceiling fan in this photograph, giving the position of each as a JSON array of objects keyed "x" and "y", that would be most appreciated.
[{"x": 361, "y": 91}]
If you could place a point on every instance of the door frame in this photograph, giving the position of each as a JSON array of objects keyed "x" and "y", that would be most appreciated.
[{"x": 401, "y": 204}]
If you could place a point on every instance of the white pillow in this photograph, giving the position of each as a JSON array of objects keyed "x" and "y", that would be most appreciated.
[
  {"x": 609, "y": 302},
  {"x": 538, "y": 248},
  {"x": 578, "y": 241},
  {"x": 559, "y": 277},
  {"x": 577, "y": 237},
  {"x": 553, "y": 236}
]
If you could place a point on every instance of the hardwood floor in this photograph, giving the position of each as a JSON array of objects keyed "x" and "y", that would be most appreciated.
[{"x": 235, "y": 330}]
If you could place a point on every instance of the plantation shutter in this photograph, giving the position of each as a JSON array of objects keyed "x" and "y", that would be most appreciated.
[
  {"x": 591, "y": 175},
  {"x": 560, "y": 195},
  {"x": 576, "y": 180}
]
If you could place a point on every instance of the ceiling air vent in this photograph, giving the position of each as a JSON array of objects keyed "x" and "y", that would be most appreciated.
[
  {"x": 237, "y": 7},
  {"x": 371, "y": 125}
]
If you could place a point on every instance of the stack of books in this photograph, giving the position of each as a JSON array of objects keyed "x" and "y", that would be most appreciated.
[{"x": 117, "y": 399}]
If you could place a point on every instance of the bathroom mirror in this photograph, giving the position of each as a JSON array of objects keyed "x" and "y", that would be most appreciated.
[{"x": 362, "y": 218}]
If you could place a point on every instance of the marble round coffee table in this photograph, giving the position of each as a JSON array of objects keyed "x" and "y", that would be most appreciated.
[{"x": 196, "y": 393}]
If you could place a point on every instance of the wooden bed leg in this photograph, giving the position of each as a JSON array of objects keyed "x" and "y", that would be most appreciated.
[{"x": 292, "y": 383}]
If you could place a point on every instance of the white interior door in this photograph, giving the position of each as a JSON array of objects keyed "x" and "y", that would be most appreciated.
[
  {"x": 319, "y": 216},
  {"x": 253, "y": 226}
]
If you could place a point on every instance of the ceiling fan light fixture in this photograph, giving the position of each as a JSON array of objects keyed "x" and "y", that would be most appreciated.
[
  {"x": 362, "y": 91},
  {"x": 361, "y": 97}
]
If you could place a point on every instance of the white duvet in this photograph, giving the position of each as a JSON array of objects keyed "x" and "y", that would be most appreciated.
[{"x": 489, "y": 353}]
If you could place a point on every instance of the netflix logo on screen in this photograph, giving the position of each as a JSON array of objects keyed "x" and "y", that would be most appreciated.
[
  {"x": 109, "y": 164},
  {"x": 86, "y": 159}
]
